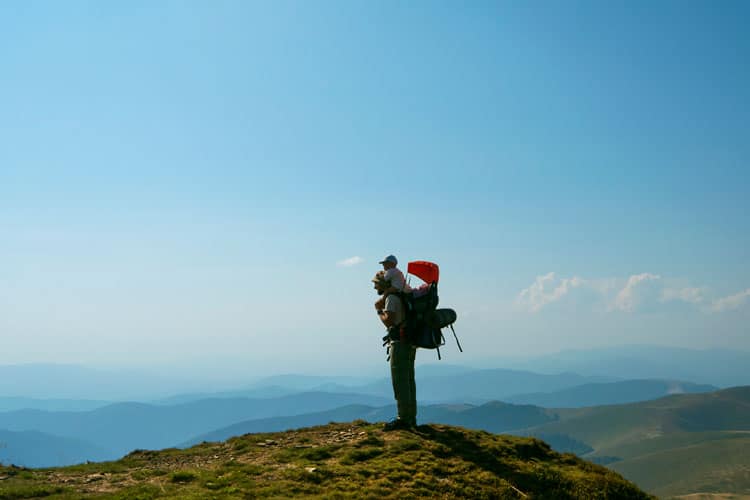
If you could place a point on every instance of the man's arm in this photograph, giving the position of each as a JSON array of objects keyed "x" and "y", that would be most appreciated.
[
  {"x": 386, "y": 317},
  {"x": 380, "y": 304}
]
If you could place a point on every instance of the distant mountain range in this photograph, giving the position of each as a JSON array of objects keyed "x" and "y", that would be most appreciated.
[
  {"x": 494, "y": 417},
  {"x": 122, "y": 427},
  {"x": 719, "y": 367},
  {"x": 18, "y": 403},
  {"x": 118, "y": 428},
  {"x": 53, "y": 381},
  {"x": 38, "y": 449},
  {"x": 627, "y": 391},
  {"x": 455, "y": 384},
  {"x": 477, "y": 386}
]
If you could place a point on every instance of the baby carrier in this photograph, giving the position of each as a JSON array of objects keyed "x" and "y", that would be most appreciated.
[{"x": 424, "y": 321}]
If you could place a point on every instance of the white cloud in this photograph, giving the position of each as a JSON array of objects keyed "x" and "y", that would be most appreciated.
[
  {"x": 631, "y": 295},
  {"x": 730, "y": 302},
  {"x": 644, "y": 292},
  {"x": 351, "y": 261},
  {"x": 545, "y": 290},
  {"x": 689, "y": 295}
]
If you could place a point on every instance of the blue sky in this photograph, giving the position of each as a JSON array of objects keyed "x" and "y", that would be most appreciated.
[{"x": 178, "y": 180}]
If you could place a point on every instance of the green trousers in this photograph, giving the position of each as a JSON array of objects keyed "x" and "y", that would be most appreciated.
[{"x": 402, "y": 377}]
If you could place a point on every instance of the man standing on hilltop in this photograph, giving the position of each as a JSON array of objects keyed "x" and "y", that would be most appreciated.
[{"x": 402, "y": 354}]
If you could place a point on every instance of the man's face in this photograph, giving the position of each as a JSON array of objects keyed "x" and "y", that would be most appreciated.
[{"x": 388, "y": 265}]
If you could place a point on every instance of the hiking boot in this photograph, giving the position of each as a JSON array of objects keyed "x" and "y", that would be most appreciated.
[{"x": 397, "y": 424}]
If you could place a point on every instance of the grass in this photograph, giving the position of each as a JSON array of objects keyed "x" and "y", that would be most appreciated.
[
  {"x": 356, "y": 460},
  {"x": 29, "y": 491}
]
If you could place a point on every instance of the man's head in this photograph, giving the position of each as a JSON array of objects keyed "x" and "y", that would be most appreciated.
[
  {"x": 380, "y": 283},
  {"x": 389, "y": 262}
]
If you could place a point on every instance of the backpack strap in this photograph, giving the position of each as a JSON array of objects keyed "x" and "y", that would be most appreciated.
[{"x": 406, "y": 326}]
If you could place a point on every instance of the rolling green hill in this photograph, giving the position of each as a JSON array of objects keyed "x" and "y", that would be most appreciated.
[
  {"x": 350, "y": 460},
  {"x": 682, "y": 444},
  {"x": 708, "y": 465}
]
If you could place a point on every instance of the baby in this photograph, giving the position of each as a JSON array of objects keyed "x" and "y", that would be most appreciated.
[{"x": 395, "y": 276}]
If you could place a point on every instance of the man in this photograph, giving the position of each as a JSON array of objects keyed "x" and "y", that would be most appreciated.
[{"x": 402, "y": 356}]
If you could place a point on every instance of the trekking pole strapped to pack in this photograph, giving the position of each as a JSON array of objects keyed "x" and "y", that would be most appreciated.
[{"x": 456, "y": 337}]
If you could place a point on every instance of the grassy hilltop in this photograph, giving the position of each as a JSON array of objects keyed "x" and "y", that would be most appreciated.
[{"x": 352, "y": 460}]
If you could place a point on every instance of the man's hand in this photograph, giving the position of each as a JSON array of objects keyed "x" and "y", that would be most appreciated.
[{"x": 380, "y": 304}]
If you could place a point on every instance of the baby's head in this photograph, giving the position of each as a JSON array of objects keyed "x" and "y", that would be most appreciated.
[{"x": 389, "y": 262}]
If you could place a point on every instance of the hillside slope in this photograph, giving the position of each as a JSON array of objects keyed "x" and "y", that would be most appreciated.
[
  {"x": 683, "y": 444},
  {"x": 718, "y": 465},
  {"x": 608, "y": 427},
  {"x": 350, "y": 460}
]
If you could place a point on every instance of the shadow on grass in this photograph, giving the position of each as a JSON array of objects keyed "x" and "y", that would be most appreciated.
[
  {"x": 530, "y": 466},
  {"x": 497, "y": 461}
]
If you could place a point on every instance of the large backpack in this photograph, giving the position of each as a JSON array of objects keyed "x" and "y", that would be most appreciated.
[{"x": 424, "y": 322}]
